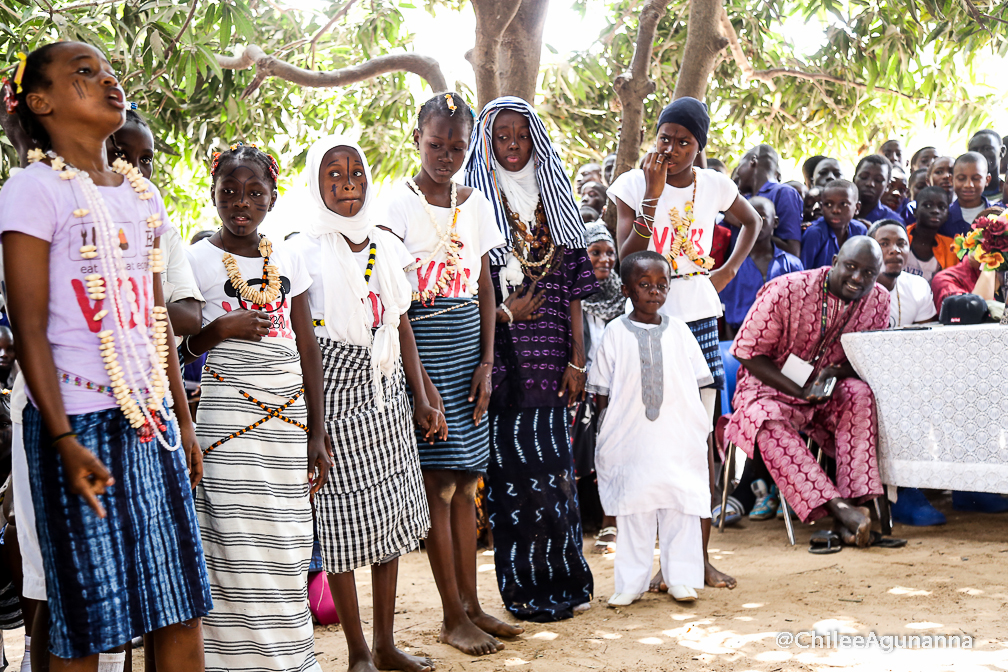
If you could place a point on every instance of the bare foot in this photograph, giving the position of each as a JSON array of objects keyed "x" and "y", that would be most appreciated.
[
  {"x": 395, "y": 659},
  {"x": 494, "y": 626},
  {"x": 363, "y": 665},
  {"x": 657, "y": 585},
  {"x": 853, "y": 525},
  {"x": 717, "y": 579},
  {"x": 468, "y": 638}
]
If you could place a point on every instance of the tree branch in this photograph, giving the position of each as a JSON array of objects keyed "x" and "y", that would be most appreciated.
[
  {"x": 632, "y": 87},
  {"x": 185, "y": 26},
  {"x": 268, "y": 66},
  {"x": 336, "y": 17},
  {"x": 704, "y": 41},
  {"x": 736, "y": 48},
  {"x": 769, "y": 74}
]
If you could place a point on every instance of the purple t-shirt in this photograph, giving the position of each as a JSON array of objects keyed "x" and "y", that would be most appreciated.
[
  {"x": 39, "y": 203},
  {"x": 530, "y": 357}
]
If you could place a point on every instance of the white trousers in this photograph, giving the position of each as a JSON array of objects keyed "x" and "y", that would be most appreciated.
[
  {"x": 708, "y": 396},
  {"x": 24, "y": 513},
  {"x": 680, "y": 544}
]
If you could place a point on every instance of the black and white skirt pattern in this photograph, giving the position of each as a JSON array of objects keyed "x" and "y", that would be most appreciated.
[
  {"x": 253, "y": 509},
  {"x": 374, "y": 506}
]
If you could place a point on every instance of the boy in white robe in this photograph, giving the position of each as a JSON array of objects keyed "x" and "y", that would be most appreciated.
[{"x": 651, "y": 451}]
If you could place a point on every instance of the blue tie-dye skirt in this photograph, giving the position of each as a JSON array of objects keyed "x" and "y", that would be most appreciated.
[
  {"x": 533, "y": 511},
  {"x": 141, "y": 567}
]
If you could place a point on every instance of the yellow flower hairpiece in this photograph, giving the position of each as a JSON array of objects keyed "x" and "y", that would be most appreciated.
[{"x": 19, "y": 73}]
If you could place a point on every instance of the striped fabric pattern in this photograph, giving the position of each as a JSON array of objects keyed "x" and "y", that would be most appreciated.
[
  {"x": 449, "y": 347},
  {"x": 706, "y": 333},
  {"x": 254, "y": 513},
  {"x": 141, "y": 567},
  {"x": 566, "y": 227},
  {"x": 374, "y": 506}
]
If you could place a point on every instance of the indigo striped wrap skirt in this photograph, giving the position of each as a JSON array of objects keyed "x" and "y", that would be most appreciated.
[
  {"x": 141, "y": 567},
  {"x": 374, "y": 506},
  {"x": 449, "y": 347},
  {"x": 253, "y": 508}
]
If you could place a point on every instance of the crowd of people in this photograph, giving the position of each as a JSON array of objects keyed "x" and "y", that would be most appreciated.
[{"x": 195, "y": 426}]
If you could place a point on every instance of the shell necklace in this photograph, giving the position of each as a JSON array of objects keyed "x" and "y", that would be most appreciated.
[
  {"x": 447, "y": 240},
  {"x": 270, "y": 276},
  {"x": 138, "y": 389},
  {"x": 681, "y": 244}
]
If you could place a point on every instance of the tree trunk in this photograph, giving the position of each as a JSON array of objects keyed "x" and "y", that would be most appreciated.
[
  {"x": 521, "y": 50},
  {"x": 632, "y": 87},
  {"x": 492, "y": 19},
  {"x": 704, "y": 41}
]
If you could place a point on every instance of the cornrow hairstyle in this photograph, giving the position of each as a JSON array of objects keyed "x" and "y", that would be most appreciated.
[
  {"x": 446, "y": 104},
  {"x": 878, "y": 160},
  {"x": 133, "y": 117},
  {"x": 629, "y": 265},
  {"x": 35, "y": 78},
  {"x": 240, "y": 152}
]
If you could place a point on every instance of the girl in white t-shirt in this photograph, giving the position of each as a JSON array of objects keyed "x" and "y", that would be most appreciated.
[
  {"x": 449, "y": 230},
  {"x": 261, "y": 423},
  {"x": 670, "y": 207}
]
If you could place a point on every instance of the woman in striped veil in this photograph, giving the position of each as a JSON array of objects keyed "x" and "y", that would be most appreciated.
[
  {"x": 373, "y": 509},
  {"x": 540, "y": 277}
]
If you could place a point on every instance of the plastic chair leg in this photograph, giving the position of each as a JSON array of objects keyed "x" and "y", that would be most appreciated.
[
  {"x": 787, "y": 519},
  {"x": 729, "y": 458}
]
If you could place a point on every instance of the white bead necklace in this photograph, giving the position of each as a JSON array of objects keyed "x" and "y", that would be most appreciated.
[{"x": 447, "y": 240}]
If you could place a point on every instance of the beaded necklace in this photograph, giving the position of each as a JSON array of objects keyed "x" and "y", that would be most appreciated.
[
  {"x": 449, "y": 241},
  {"x": 270, "y": 276},
  {"x": 128, "y": 377},
  {"x": 527, "y": 243},
  {"x": 681, "y": 244}
]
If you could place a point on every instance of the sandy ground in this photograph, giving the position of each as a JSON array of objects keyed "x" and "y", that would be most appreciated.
[{"x": 950, "y": 580}]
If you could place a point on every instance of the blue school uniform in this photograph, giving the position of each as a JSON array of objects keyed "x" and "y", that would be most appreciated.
[
  {"x": 788, "y": 204},
  {"x": 909, "y": 212},
  {"x": 881, "y": 211},
  {"x": 819, "y": 243},
  {"x": 955, "y": 224},
  {"x": 739, "y": 294}
]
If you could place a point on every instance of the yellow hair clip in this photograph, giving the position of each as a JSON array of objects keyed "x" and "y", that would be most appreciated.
[
  {"x": 19, "y": 73},
  {"x": 451, "y": 103}
]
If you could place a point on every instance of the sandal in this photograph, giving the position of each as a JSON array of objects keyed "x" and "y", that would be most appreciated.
[
  {"x": 886, "y": 542},
  {"x": 733, "y": 516},
  {"x": 824, "y": 542},
  {"x": 602, "y": 547}
]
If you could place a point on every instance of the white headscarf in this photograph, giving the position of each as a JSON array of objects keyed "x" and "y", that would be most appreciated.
[{"x": 346, "y": 309}]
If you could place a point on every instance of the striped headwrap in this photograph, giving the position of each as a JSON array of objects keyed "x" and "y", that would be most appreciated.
[{"x": 566, "y": 227}]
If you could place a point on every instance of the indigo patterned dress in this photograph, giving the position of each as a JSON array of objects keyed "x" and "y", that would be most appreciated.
[{"x": 532, "y": 500}]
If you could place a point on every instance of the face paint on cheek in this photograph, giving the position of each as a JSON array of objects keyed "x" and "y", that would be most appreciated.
[{"x": 80, "y": 87}]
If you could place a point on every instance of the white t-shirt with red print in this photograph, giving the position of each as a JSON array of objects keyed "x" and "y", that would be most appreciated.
[
  {"x": 309, "y": 249},
  {"x": 207, "y": 262},
  {"x": 692, "y": 298},
  {"x": 476, "y": 228}
]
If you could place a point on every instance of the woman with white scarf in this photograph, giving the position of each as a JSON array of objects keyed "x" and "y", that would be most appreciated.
[
  {"x": 540, "y": 278},
  {"x": 373, "y": 509}
]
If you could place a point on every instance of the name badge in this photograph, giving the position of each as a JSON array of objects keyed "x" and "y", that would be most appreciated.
[{"x": 797, "y": 370}]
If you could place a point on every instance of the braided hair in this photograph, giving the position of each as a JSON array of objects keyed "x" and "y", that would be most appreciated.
[
  {"x": 446, "y": 104},
  {"x": 239, "y": 152},
  {"x": 35, "y": 78}
]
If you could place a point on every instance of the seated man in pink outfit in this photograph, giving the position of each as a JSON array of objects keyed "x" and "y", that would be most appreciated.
[{"x": 789, "y": 341}]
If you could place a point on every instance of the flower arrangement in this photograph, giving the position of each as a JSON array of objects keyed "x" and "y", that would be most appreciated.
[{"x": 987, "y": 241}]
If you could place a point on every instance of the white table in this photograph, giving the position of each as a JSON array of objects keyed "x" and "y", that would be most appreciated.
[{"x": 942, "y": 400}]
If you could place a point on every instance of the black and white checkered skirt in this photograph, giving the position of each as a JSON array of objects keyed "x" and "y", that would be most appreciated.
[{"x": 374, "y": 505}]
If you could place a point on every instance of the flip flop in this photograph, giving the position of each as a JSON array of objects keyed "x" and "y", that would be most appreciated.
[
  {"x": 735, "y": 511},
  {"x": 886, "y": 542},
  {"x": 824, "y": 542},
  {"x": 603, "y": 547}
]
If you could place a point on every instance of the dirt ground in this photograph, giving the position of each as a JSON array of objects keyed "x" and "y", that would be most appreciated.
[{"x": 949, "y": 580}]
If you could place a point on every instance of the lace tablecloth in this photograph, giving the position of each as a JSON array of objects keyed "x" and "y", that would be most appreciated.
[{"x": 942, "y": 404}]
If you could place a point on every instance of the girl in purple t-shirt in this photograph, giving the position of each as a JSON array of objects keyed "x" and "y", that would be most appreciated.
[{"x": 114, "y": 512}]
